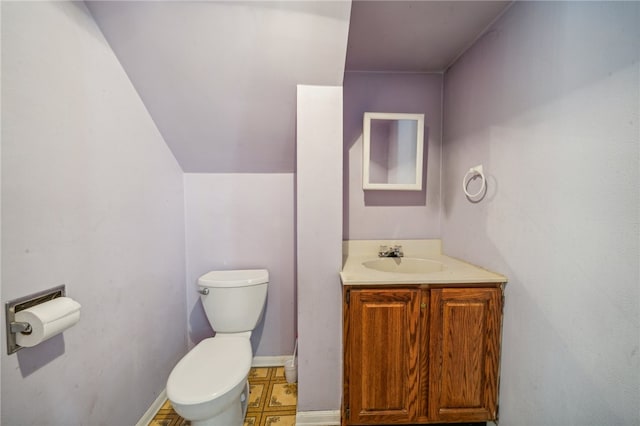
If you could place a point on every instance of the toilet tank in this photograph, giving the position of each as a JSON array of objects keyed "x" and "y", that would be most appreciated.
[{"x": 235, "y": 300}]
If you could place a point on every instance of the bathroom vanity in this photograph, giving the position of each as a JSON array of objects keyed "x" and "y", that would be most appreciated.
[{"x": 421, "y": 336}]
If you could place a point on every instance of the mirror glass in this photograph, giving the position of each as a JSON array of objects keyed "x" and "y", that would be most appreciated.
[{"x": 392, "y": 151}]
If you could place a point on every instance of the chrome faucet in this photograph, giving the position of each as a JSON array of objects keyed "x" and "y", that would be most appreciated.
[{"x": 395, "y": 251}]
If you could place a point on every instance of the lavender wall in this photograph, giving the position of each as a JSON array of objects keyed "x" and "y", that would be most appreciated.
[
  {"x": 92, "y": 198},
  {"x": 548, "y": 102},
  {"x": 391, "y": 214},
  {"x": 243, "y": 221},
  {"x": 206, "y": 69}
]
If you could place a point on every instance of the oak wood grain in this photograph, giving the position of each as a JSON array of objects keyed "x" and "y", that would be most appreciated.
[
  {"x": 383, "y": 360},
  {"x": 464, "y": 354},
  {"x": 421, "y": 355}
]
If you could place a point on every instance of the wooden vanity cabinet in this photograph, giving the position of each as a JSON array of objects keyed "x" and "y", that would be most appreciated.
[
  {"x": 421, "y": 355},
  {"x": 382, "y": 347}
]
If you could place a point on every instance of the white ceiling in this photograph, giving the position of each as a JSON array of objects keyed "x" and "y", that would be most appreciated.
[{"x": 219, "y": 77}]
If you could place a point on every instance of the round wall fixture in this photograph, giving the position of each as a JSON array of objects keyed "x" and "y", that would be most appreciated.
[{"x": 474, "y": 173}]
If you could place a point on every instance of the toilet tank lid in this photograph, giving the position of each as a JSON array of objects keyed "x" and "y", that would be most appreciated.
[{"x": 237, "y": 278}]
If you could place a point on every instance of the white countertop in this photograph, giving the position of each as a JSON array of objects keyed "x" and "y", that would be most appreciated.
[{"x": 453, "y": 271}]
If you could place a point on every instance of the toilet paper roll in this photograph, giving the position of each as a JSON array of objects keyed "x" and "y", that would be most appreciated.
[{"x": 47, "y": 319}]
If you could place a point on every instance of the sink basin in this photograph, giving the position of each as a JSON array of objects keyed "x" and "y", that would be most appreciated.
[{"x": 403, "y": 265}]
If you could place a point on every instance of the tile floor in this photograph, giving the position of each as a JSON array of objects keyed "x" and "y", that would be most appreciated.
[{"x": 272, "y": 401}]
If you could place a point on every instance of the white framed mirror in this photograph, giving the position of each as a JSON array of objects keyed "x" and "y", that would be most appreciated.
[{"x": 392, "y": 150}]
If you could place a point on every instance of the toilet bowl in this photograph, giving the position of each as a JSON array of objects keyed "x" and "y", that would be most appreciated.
[{"x": 209, "y": 384}]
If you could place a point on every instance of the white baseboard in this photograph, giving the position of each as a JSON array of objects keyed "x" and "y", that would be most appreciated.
[
  {"x": 318, "y": 418},
  {"x": 153, "y": 409},
  {"x": 269, "y": 361}
]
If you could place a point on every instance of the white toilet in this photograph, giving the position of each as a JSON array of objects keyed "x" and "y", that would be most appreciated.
[{"x": 209, "y": 384}]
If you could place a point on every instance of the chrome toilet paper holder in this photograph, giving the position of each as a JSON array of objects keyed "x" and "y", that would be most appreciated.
[{"x": 17, "y": 305}]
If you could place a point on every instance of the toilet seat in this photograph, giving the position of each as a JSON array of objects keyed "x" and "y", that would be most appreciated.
[{"x": 211, "y": 369}]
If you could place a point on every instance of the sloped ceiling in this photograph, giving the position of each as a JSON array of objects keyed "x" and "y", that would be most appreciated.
[
  {"x": 415, "y": 36},
  {"x": 219, "y": 77}
]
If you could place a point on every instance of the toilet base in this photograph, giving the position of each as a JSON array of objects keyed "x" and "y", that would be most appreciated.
[
  {"x": 244, "y": 400},
  {"x": 232, "y": 416},
  {"x": 227, "y": 410}
]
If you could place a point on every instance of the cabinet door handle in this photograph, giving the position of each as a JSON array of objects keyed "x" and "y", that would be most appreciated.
[{"x": 423, "y": 305}]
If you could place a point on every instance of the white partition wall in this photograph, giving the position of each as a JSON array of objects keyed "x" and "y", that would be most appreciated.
[{"x": 319, "y": 247}]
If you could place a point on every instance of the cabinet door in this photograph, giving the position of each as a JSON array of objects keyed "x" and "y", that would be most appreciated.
[
  {"x": 464, "y": 353},
  {"x": 382, "y": 356}
]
